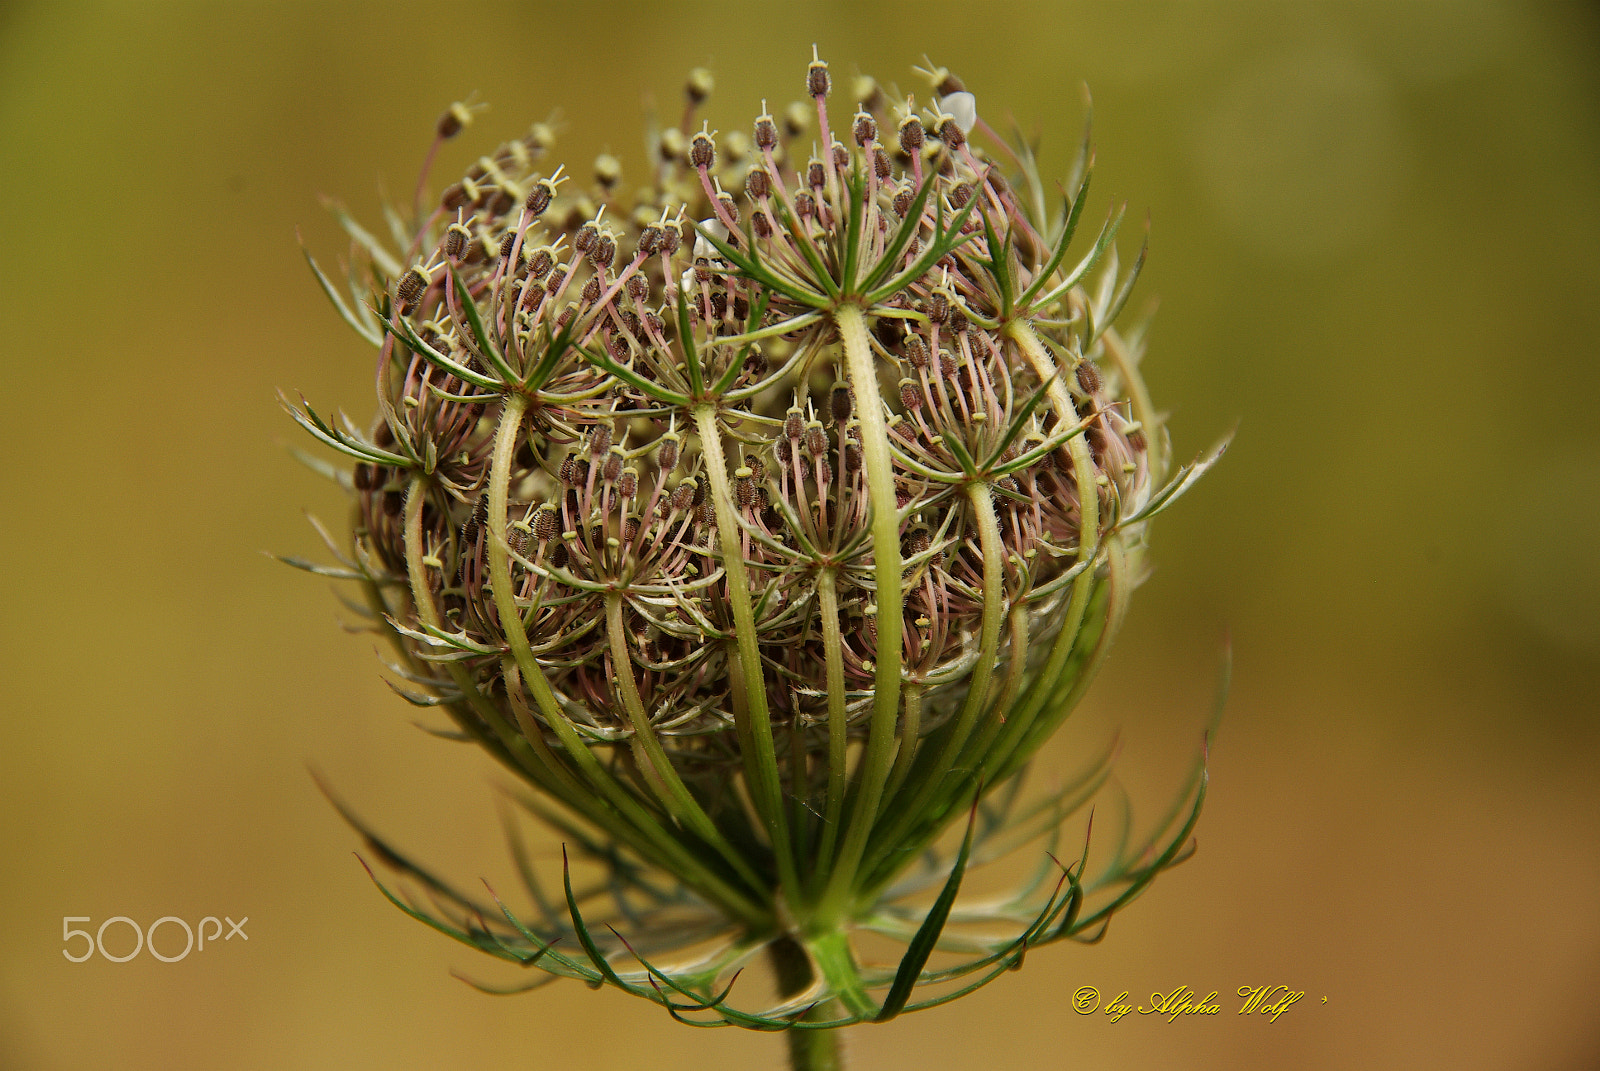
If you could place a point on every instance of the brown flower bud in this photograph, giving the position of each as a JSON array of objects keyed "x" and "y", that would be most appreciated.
[
  {"x": 818, "y": 81},
  {"x": 839, "y": 403},
  {"x": 910, "y": 394},
  {"x": 865, "y": 129},
  {"x": 683, "y": 495},
  {"x": 1088, "y": 377},
  {"x": 699, "y": 85},
  {"x": 455, "y": 117},
  {"x": 586, "y": 237},
  {"x": 916, "y": 351},
  {"x": 757, "y": 183},
  {"x": 702, "y": 151},
  {"x": 413, "y": 284},
  {"x": 766, "y": 135},
  {"x": 881, "y": 166},
  {"x": 546, "y": 523},
  {"x": 539, "y": 198},
  {"x": 951, "y": 134},
  {"x": 613, "y": 465},
  {"x": 816, "y": 439},
  {"x": 911, "y": 135},
  {"x": 903, "y": 198}
]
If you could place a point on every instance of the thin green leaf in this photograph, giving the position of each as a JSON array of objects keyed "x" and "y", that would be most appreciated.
[
  {"x": 691, "y": 358},
  {"x": 413, "y": 342},
  {"x": 601, "y": 359},
  {"x": 1185, "y": 479},
  {"x": 1115, "y": 309},
  {"x": 910, "y": 224},
  {"x": 365, "y": 330},
  {"x": 1020, "y": 421},
  {"x": 921, "y": 946},
  {"x": 1074, "y": 213},
  {"x": 381, "y": 257},
  {"x": 469, "y": 309},
  {"x": 1107, "y": 232}
]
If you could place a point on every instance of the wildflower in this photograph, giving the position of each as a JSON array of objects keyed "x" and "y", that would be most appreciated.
[{"x": 765, "y": 547}]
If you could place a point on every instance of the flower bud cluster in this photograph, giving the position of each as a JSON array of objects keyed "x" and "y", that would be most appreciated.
[
  {"x": 607, "y": 491},
  {"x": 765, "y": 516}
]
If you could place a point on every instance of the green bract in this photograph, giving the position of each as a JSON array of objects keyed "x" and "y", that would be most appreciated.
[{"x": 765, "y": 536}]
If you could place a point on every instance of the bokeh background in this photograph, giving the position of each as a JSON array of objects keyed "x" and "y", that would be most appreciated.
[{"x": 1376, "y": 241}]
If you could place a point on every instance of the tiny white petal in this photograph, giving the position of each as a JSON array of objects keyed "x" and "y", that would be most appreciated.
[
  {"x": 963, "y": 108},
  {"x": 715, "y": 227}
]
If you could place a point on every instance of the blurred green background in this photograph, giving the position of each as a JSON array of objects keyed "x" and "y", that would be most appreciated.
[{"x": 1376, "y": 241}]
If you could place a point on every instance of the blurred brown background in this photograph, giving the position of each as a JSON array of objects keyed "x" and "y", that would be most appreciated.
[{"x": 1377, "y": 247}]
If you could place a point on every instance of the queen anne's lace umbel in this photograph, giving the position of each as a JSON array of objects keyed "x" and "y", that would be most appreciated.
[{"x": 761, "y": 518}]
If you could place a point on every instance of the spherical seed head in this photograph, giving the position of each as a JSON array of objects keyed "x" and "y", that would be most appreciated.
[{"x": 607, "y": 170}]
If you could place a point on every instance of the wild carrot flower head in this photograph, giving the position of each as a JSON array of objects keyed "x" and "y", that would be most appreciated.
[{"x": 762, "y": 520}]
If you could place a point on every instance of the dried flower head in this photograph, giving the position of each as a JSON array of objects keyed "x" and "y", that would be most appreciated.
[{"x": 764, "y": 533}]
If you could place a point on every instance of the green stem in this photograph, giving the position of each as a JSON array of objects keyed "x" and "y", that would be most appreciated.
[
  {"x": 652, "y": 757},
  {"x": 809, "y": 1050},
  {"x": 1084, "y": 475},
  {"x": 760, "y": 756},
  {"x": 878, "y": 464},
  {"x": 950, "y": 755},
  {"x": 833, "y": 653}
]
